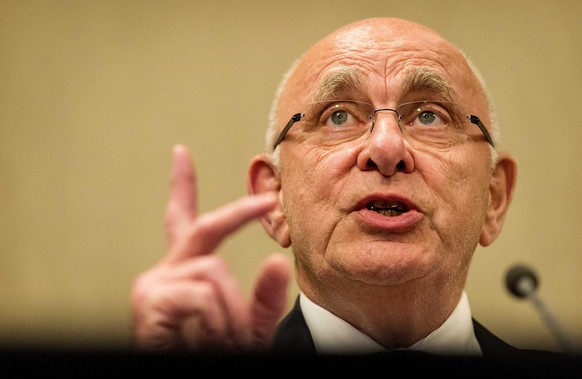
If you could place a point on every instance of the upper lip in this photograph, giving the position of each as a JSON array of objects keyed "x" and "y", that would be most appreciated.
[{"x": 394, "y": 200}]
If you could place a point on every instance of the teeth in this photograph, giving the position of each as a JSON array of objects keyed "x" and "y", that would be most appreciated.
[
  {"x": 381, "y": 204},
  {"x": 387, "y": 208}
]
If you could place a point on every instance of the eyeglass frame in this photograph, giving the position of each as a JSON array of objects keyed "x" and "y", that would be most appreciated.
[{"x": 299, "y": 116}]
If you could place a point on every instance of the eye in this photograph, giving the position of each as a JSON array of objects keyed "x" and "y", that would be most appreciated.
[
  {"x": 345, "y": 114},
  {"x": 427, "y": 118},
  {"x": 339, "y": 117},
  {"x": 425, "y": 114}
]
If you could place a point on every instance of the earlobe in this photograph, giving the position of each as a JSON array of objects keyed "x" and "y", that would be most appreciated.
[
  {"x": 263, "y": 177},
  {"x": 501, "y": 189}
]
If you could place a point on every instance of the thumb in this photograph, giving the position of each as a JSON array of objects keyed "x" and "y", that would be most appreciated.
[{"x": 269, "y": 299}]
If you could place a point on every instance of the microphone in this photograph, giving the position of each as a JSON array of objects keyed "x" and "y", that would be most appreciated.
[{"x": 522, "y": 282}]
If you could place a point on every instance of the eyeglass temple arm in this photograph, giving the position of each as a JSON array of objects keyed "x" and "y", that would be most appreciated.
[
  {"x": 296, "y": 117},
  {"x": 477, "y": 121}
]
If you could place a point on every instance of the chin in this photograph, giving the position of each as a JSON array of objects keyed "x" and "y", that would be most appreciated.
[{"x": 385, "y": 268}]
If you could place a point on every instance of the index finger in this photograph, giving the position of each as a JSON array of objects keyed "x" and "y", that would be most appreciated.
[
  {"x": 182, "y": 204},
  {"x": 208, "y": 230}
]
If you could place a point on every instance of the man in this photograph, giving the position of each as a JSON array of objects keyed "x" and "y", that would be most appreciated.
[{"x": 382, "y": 176}]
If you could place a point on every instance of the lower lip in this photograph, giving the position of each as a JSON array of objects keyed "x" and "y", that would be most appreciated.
[{"x": 398, "y": 224}]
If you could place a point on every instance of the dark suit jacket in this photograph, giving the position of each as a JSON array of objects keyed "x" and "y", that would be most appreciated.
[{"x": 293, "y": 337}]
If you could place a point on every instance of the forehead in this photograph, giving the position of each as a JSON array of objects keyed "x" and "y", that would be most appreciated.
[{"x": 386, "y": 56}]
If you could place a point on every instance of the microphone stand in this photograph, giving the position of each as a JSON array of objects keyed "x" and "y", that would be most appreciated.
[{"x": 522, "y": 282}]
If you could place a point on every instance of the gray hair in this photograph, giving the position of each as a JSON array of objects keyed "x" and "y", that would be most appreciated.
[
  {"x": 494, "y": 128},
  {"x": 272, "y": 127}
]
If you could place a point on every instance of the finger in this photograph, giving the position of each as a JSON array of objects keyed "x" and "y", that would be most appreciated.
[
  {"x": 182, "y": 206},
  {"x": 165, "y": 319},
  {"x": 209, "y": 230},
  {"x": 214, "y": 270},
  {"x": 269, "y": 299},
  {"x": 204, "y": 323}
]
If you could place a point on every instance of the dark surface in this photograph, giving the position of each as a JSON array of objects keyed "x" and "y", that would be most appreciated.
[{"x": 63, "y": 363}]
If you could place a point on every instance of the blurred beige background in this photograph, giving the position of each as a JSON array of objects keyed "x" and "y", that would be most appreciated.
[{"x": 94, "y": 94}]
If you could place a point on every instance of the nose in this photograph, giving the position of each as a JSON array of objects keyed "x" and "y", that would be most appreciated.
[{"x": 386, "y": 149}]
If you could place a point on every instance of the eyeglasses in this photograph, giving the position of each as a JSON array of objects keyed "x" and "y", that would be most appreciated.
[{"x": 432, "y": 123}]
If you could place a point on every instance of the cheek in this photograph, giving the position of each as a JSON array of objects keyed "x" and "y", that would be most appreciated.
[
  {"x": 313, "y": 180},
  {"x": 316, "y": 175},
  {"x": 460, "y": 190},
  {"x": 455, "y": 176}
]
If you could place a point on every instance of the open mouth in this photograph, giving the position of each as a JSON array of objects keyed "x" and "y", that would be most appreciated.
[{"x": 387, "y": 208}]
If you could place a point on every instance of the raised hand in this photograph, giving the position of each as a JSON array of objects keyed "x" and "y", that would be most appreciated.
[{"x": 190, "y": 299}]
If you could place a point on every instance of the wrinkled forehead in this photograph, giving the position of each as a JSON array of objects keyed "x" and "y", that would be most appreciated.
[{"x": 383, "y": 61}]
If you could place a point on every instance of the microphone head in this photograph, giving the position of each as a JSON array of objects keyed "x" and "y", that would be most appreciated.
[{"x": 521, "y": 280}]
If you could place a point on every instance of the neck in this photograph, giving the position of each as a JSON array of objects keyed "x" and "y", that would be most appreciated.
[{"x": 394, "y": 316}]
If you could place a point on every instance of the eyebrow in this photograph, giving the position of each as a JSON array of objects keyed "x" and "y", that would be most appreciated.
[
  {"x": 342, "y": 80},
  {"x": 349, "y": 79},
  {"x": 423, "y": 79}
]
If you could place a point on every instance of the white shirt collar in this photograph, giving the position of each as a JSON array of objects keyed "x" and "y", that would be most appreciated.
[{"x": 332, "y": 335}]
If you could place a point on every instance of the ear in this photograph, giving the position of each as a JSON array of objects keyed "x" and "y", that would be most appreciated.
[
  {"x": 501, "y": 189},
  {"x": 263, "y": 176}
]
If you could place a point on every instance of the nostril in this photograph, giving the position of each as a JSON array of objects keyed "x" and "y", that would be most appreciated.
[
  {"x": 400, "y": 166},
  {"x": 371, "y": 163}
]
